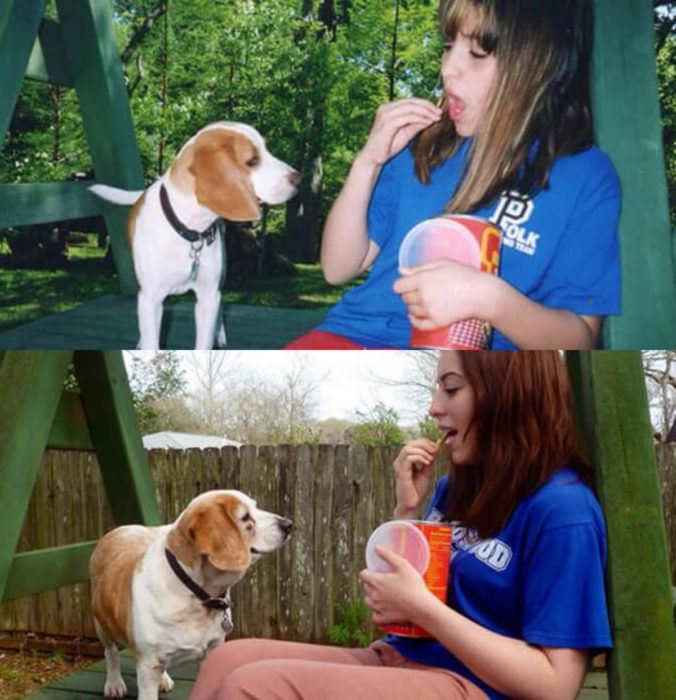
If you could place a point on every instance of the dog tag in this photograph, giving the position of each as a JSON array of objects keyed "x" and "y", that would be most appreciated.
[
  {"x": 193, "y": 269},
  {"x": 227, "y": 624}
]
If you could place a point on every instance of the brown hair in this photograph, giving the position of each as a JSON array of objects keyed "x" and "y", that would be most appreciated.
[
  {"x": 539, "y": 108},
  {"x": 524, "y": 432}
]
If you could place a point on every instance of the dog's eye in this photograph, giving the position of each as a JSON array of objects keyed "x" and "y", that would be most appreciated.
[{"x": 253, "y": 161}]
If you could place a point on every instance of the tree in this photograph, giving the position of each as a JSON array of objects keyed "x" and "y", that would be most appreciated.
[
  {"x": 418, "y": 382},
  {"x": 378, "y": 426},
  {"x": 215, "y": 374},
  {"x": 158, "y": 387},
  {"x": 659, "y": 367},
  {"x": 252, "y": 407}
]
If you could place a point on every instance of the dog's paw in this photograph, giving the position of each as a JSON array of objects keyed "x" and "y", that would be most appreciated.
[
  {"x": 166, "y": 684},
  {"x": 115, "y": 688}
]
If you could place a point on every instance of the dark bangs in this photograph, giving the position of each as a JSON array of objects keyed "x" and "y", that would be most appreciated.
[{"x": 455, "y": 13}]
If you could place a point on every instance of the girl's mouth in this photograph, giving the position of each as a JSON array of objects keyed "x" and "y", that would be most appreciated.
[
  {"x": 447, "y": 437},
  {"x": 455, "y": 106}
]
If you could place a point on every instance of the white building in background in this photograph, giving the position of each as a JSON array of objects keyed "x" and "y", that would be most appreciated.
[{"x": 170, "y": 440}]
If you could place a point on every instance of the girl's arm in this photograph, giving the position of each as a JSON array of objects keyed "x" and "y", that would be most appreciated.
[
  {"x": 346, "y": 248},
  {"x": 511, "y": 666},
  {"x": 445, "y": 291}
]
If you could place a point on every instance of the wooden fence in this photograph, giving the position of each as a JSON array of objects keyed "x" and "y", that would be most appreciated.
[{"x": 335, "y": 495}]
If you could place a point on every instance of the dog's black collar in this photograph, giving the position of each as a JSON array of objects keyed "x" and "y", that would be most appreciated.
[
  {"x": 221, "y": 602},
  {"x": 208, "y": 235}
]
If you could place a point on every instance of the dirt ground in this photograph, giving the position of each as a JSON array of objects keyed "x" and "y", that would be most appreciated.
[{"x": 23, "y": 672}]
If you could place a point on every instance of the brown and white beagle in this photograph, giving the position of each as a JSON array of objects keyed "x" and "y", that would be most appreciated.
[
  {"x": 164, "y": 591},
  {"x": 175, "y": 226}
]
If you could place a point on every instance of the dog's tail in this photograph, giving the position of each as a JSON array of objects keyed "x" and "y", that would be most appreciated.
[{"x": 115, "y": 195}]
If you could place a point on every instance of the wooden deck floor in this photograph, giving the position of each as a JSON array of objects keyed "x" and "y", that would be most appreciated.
[
  {"x": 109, "y": 323},
  {"x": 89, "y": 683}
]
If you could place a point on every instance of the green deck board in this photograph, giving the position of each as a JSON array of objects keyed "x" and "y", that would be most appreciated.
[
  {"x": 89, "y": 682},
  {"x": 110, "y": 323}
]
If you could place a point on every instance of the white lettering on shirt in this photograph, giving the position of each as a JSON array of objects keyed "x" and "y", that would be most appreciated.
[
  {"x": 513, "y": 210},
  {"x": 493, "y": 552}
]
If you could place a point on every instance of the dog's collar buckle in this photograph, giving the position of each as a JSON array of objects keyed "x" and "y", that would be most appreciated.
[
  {"x": 207, "y": 236},
  {"x": 209, "y": 602}
]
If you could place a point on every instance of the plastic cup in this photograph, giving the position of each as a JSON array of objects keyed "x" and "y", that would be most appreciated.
[
  {"x": 466, "y": 239},
  {"x": 404, "y": 539}
]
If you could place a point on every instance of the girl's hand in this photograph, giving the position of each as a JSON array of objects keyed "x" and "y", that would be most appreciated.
[
  {"x": 395, "y": 124},
  {"x": 396, "y": 596},
  {"x": 412, "y": 475},
  {"x": 442, "y": 292}
]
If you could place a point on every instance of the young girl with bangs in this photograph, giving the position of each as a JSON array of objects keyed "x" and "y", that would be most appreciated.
[
  {"x": 512, "y": 142},
  {"x": 526, "y": 600}
]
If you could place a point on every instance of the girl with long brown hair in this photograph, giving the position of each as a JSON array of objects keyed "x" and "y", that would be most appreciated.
[
  {"x": 526, "y": 600},
  {"x": 510, "y": 142}
]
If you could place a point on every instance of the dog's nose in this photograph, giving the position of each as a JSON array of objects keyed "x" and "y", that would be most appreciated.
[
  {"x": 294, "y": 178},
  {"x": 285, "y": 526}
]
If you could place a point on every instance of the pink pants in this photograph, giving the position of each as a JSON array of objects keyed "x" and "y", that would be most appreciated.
[{"x": 267, "y": 669}]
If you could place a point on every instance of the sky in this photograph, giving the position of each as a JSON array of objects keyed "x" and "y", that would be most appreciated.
[{"x": 349, "y": 379}]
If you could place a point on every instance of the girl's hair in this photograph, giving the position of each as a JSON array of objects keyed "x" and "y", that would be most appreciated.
[
  {"x": 524, "y": 431},
  {"x": 539, "y": 107}
]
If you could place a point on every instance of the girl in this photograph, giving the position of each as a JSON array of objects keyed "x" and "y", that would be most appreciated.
[
  {"x": 512, "y": 143},
  {"x": 526, "y": 600}
]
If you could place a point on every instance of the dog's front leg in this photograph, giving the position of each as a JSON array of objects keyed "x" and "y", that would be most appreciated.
[
  {"x": 149, "y": 310},
  {"x": 150, "y": 677},
  {"x": 206, "y": 315}
]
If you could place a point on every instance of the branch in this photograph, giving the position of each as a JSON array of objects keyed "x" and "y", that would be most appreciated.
[{"x": 140, "y": 32}]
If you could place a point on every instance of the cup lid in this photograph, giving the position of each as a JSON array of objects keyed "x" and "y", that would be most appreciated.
[
  {"x": 437, "y": 238},
  {"x": 404, "y": 539}
]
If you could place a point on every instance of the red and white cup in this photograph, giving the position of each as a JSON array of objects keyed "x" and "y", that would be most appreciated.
[
  {"x": 467, "y": 239},
  {"x": 426, "y": 546}
]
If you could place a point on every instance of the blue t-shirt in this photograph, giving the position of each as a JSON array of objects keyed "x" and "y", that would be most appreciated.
[
  {"x": 540, "y": 578},
  {"x": 559, "y": 248}
]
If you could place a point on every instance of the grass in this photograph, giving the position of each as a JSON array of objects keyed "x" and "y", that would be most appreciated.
[
  {"x": 29, "y": 293},
  {"x": 23, "y": 672}
]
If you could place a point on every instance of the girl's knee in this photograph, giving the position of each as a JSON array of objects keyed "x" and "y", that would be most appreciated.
[
  {"x": 231, "y": 655},
  {"x": 219, "y": 663},
  {"x": 260, "y": 680}
]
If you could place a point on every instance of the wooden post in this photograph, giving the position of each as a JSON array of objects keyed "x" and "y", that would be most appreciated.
[
  {"x": 33, "y": 412},
  {"x": 77, "y": 51},
  {"x": 612, "y": 407},
  {"x": 89, "y": 42},
  {"x": 32, "y": 382},
  {"x": 627, "y": 123},
  {"x": 115, "y": 435},
  {"x": 19, "y": 22}
]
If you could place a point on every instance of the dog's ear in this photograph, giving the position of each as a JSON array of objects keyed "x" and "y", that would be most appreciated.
[
  {"x": 214, "y": 532},
  {"x": 222, "y": 183}
]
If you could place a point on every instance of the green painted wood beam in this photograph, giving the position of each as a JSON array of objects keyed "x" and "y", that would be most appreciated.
[
  {"x": 47, "y": 61},
  {"x": 115, "y": 436},
  {"x": 47, "y": 569},
  {"x": 42, "y": 202},
  {"x": 610, "y": 397},
  {"x": 627, "y": 123},
  {"x": 19, "y": 22},
  {"x": 31, "y": 384},
  {"x": 97, "y": 74},
  {"x": 69, "y": 429}
]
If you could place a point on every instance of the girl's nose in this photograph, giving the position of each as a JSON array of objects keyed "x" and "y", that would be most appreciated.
[
  {"x": 435, "y": 408},
  {"x": 451, "y": 63}
]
